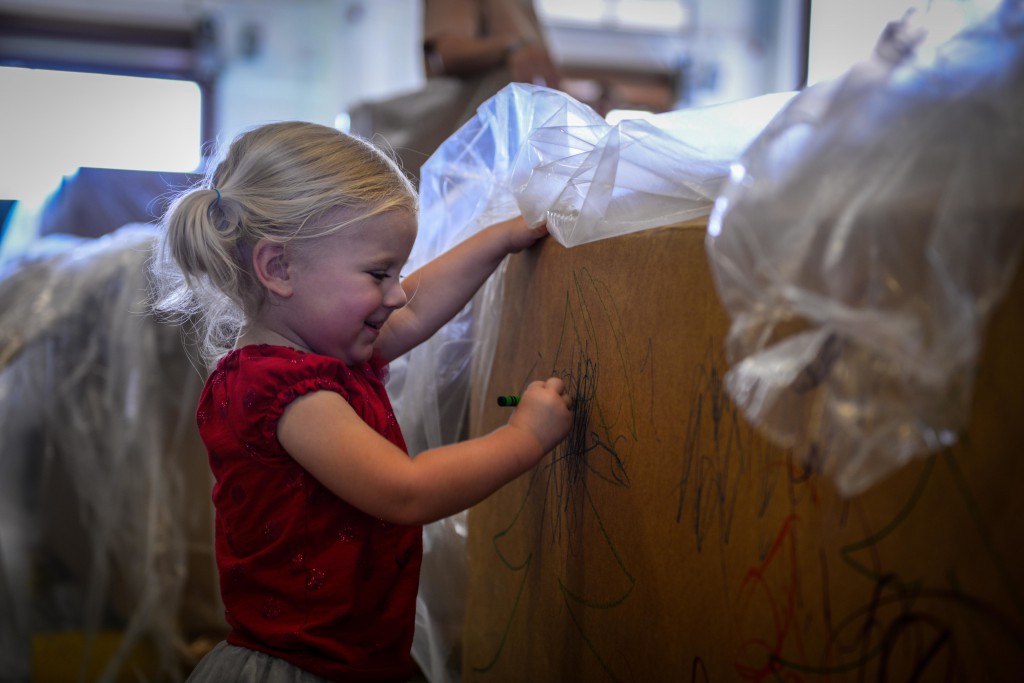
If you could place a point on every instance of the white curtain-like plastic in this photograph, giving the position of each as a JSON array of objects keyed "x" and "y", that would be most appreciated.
[
  {"x": 538, "y": 152},
  {"x": 97, "y": 404},
  {"x": 862, "y": 242}
]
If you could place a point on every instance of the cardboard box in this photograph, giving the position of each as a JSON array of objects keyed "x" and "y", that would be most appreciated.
[{"x": 668, "y": 541}]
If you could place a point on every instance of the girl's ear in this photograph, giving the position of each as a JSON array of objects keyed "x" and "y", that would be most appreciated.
[{"x": 270, "y": 263}]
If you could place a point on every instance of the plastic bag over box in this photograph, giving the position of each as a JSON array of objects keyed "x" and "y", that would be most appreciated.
[
  {"x": 538, "y": 152},
  {"x": 862, "y": 241}
]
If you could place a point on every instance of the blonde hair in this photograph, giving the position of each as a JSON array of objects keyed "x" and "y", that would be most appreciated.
[{"x": 277, "y": 181}]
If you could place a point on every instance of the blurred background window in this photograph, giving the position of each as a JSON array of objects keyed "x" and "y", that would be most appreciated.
[{"x": 57, "y": 121}]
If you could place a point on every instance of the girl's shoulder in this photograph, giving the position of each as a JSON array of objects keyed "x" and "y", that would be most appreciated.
[
  {"x": 276, "y": 364},
  {"x": 250, "y": 387},
  {"x": 271, "y": 366}
]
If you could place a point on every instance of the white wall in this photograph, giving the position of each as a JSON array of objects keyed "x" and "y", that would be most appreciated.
[
  {"x": 313, "y": 58},
  {"x": 844, "y": 32},
  {"x": 745, "y": 48}
]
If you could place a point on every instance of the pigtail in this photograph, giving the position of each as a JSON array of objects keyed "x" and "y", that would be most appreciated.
[
  {"x": 194, "y": 239},
  {"x": 198, "y": 268}
]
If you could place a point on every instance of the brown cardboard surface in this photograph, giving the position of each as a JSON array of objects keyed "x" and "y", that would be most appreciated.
[{"x": 668, "y": 541}]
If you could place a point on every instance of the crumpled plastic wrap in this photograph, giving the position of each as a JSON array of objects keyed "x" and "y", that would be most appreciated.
[
  {"x": 537, "y": 152},
  {"x": 590, "y": 180},
  {"x": 862, "y": 241},
  {"x": 97, "y": 404}
]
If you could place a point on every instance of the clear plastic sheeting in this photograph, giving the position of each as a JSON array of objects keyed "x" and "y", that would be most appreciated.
[
  {"x": 590, "y": 180},
  {"x": 538, "y": 152},
  {"x": 862, "y": 241},
  {"x": 98, "y": 527}
]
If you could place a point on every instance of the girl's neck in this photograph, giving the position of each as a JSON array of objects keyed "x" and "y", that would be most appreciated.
[{"x": 256, "y": 337}]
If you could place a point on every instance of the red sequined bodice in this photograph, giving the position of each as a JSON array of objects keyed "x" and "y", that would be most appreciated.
[{"x": 304, "y": 575}]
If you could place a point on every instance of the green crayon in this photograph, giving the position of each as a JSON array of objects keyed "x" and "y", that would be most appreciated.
[{"x": 510, "y": 401}]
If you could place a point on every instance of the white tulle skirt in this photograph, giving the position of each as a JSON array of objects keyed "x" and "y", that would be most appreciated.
[{"x": 228, "y": 663}]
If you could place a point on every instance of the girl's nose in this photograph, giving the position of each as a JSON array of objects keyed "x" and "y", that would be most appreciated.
[{"x": 395, "y": 297}]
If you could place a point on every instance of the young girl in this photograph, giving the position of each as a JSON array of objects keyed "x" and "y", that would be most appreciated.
[{"x": 292, "y": 258}]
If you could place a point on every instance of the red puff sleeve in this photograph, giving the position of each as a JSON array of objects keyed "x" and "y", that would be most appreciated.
[{"x": 252, "y": 387}]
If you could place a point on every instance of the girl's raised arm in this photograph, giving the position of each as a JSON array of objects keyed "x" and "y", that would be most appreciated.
[{"x": 440, "y": 289}]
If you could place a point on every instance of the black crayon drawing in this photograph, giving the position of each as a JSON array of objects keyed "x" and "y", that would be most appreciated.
[
  {"x": 720, "y": 463},
  {"x": 592, "y": 345}
]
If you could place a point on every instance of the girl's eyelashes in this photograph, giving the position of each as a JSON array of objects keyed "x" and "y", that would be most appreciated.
[{"x": 381, "y": 274}]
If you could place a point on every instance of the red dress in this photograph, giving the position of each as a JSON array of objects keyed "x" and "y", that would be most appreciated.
[{"x": 304, "y": 575}]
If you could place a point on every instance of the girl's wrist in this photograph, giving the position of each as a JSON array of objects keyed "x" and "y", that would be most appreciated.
[
  {"x": 523, "y": 445},
  {"x": 509, "y": 240},
  {"x": 503, "y": 238}
]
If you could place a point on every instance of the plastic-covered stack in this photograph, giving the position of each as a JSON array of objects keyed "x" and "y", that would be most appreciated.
[
  {"x": 100, "y": 463},
  {"x": 862, "y": 242}
]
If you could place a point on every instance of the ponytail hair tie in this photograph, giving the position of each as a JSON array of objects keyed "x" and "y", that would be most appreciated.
[{"x": 217, "y": 200}]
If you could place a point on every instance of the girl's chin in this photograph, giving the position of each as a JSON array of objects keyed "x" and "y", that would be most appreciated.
[{"x": 359, "y": 354}]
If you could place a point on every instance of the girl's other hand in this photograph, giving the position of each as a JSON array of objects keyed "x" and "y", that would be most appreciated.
[
  {"x": 544, "y": 411},
  {"x": 519, "y": 235}
]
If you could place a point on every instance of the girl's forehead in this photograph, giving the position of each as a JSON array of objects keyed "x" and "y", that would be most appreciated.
[
  {"x": 341, "y": 222},
  {"x": 391, "y": 225},
  {"x": 392, "y": 233}
]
